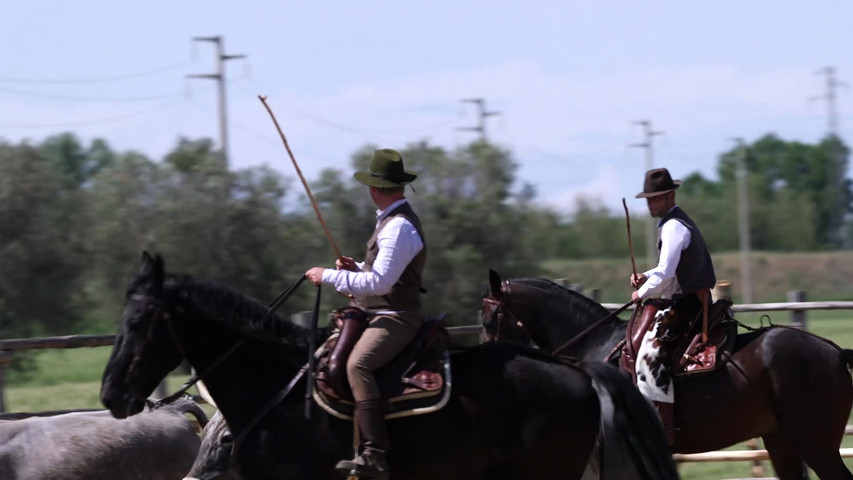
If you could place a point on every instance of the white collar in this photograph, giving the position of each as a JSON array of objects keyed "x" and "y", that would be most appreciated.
[{"x": 380, "y": 214}]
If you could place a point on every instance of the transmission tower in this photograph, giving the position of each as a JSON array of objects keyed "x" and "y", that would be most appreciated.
[
  {"x": 219, "y": 76},
  {"x": 831, "y": 98},
  {"x": 648, "y": 134},
  {"x": 482, "y": 114}
]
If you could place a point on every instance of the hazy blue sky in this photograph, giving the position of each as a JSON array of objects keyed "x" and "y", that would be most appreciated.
[{"x": 569, "y": 79}]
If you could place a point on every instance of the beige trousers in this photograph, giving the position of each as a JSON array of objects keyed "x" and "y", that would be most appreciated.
[{"x": 384, "y": 338}]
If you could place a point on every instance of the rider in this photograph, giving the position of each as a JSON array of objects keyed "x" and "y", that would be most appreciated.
[
  {"x": 682, "y": 279},
  {"x": 387, "y": 287}
]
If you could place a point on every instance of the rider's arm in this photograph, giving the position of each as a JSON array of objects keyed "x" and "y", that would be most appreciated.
[
  {"x": 674, "y": 238},
  {"x": 398, "y": 243}
]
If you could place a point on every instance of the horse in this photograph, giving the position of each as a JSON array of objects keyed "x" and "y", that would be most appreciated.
[
  {"x": 513, "y": 412},
  {"x": 789, "y": 387}
]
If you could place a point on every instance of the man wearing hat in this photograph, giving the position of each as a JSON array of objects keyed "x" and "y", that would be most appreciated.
[
  {"x": 682, "y": 280},
  {"x": 387, "y": 287}
]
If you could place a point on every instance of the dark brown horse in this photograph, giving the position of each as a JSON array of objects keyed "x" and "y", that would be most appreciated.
[{"x": 787, "y": 386}]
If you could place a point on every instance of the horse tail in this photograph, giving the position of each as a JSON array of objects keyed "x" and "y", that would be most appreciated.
[{"x": 632, "y": 440}]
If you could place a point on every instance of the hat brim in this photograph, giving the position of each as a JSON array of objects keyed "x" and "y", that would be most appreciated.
[
  {"x": 373, "y": 181},
  {"x": 677, "y": 184}
]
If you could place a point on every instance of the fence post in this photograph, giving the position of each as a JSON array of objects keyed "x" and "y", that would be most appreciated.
[
  {"x": 798, "y": 317},
  {"x": 303, "y": 319},
  {"x": 595, "y": 294},
  {"x": 5, "y": 358}
]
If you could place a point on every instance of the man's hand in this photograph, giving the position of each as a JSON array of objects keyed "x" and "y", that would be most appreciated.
[
  {"x": 346, "y": 263},
  {"x": 638, "y": 279},
  {"x": 635, "y": 297},
  {"x": 315, "y": 274}
]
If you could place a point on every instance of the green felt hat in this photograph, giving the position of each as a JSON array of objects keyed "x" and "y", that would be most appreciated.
[{"x": 385, "y": 171}]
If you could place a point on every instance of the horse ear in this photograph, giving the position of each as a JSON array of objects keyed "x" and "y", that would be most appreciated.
[
  {"x": 152, "y": 269},
  {"x": 494, "y": 283}
]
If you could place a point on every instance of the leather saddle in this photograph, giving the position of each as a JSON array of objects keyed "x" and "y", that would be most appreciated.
[
  {"x": 688, "y": 355},
  {"x": 415, "y": 381}
]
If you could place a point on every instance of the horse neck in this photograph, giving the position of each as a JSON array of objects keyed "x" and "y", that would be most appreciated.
[
  {"x": 561, "y": 319},
  {"x": 241, "y": 372}
]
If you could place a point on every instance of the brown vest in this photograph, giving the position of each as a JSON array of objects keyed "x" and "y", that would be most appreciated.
[
  {"x": 405, "y": 295},
  {"x": 695, "y": 270}
]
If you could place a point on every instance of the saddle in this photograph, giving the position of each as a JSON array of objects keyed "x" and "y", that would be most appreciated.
[
  {"x": 687, "y": 354},
  {"x": 416, "y": 381}
]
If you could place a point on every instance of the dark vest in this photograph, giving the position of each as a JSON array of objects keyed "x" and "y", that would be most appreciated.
[
  {"x": 695, "y": 270},
  {"x": 405, "y": 295}
]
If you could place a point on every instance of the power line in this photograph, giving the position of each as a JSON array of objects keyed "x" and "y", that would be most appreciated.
[
  {"x": 112, "y": 78},
  {"x": 90, "y": 99},
  {"x": 219, "y": 76},
  {"x": 96, "y": 121}
]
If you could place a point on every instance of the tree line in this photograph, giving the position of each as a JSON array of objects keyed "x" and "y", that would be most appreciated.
[{"x": 75, "y": 218}]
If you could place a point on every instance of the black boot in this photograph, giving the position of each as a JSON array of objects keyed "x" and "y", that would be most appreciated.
[{"x": 371, "y": 462}]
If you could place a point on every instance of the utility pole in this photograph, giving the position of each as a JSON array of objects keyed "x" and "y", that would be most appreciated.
[
  {"x": 830, "y": 96},
  {"x": 482, "y": 114},
  {"x": 835, "y": 173},
  {"x": 743, "y": 223},
  {"x": 219, "y": 76},
  {"x": 651, "y": 244}
]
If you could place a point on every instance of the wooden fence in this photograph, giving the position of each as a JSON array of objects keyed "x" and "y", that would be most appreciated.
[{"x": 796, "y": 305}]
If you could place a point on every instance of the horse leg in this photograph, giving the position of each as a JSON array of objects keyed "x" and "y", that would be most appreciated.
[{"x": 786, "y": 461}]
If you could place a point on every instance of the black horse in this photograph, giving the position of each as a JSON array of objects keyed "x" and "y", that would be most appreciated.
[
  {"x": 787, "y": 386},
  {"x": 513, "y": 413}
]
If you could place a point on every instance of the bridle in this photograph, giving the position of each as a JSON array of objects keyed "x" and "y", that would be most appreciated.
[
  {"x": 161, "y": 313},
  {"x": 501, "y": 310}
]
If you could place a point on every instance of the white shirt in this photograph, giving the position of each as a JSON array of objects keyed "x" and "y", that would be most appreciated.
[
  {"x": 398, "y": 242},
  {"x": 662, "y": 281}
]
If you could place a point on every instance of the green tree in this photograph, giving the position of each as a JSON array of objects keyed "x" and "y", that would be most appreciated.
[
  {"x": 808, "y": 180},
  {"x": 40, "y": 253}
]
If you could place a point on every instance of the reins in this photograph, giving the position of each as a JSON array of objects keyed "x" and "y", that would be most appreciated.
[
  {"x": 592, "y": 327},
  {"x": 195, "y": 377}
]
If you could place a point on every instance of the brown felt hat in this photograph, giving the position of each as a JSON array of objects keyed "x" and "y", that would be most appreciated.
[
  {"x": 386, "y": 170},
  {"x": 657, "y": 183}
]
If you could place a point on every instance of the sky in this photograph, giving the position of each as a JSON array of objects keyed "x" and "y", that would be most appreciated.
[{"x": 568, "y": 80}]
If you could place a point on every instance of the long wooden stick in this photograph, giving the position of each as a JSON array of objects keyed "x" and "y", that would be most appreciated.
[
  {"x": 304, "y": 183},
  {"x": 630, "y": 243}
]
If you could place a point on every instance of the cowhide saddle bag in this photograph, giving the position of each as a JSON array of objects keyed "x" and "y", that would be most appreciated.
[
  {"x": 687, "y": 353},
  {"x": 416, "y": 372}
]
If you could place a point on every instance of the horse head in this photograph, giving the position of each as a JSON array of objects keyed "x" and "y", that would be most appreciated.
[
  {"x": 501, "y": 321},
  {"x": 145, "y": 349}
]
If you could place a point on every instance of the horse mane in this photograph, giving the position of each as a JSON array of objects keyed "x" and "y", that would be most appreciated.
[
  {"x": 236, "y": 311},
  {"x": 569, "y": 297}
]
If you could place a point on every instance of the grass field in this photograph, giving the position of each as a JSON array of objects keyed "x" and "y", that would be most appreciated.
[{"x": 70, "y": 379}]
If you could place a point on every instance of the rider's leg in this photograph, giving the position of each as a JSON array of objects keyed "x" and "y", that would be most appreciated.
[{"x": 378, "y": 345}]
